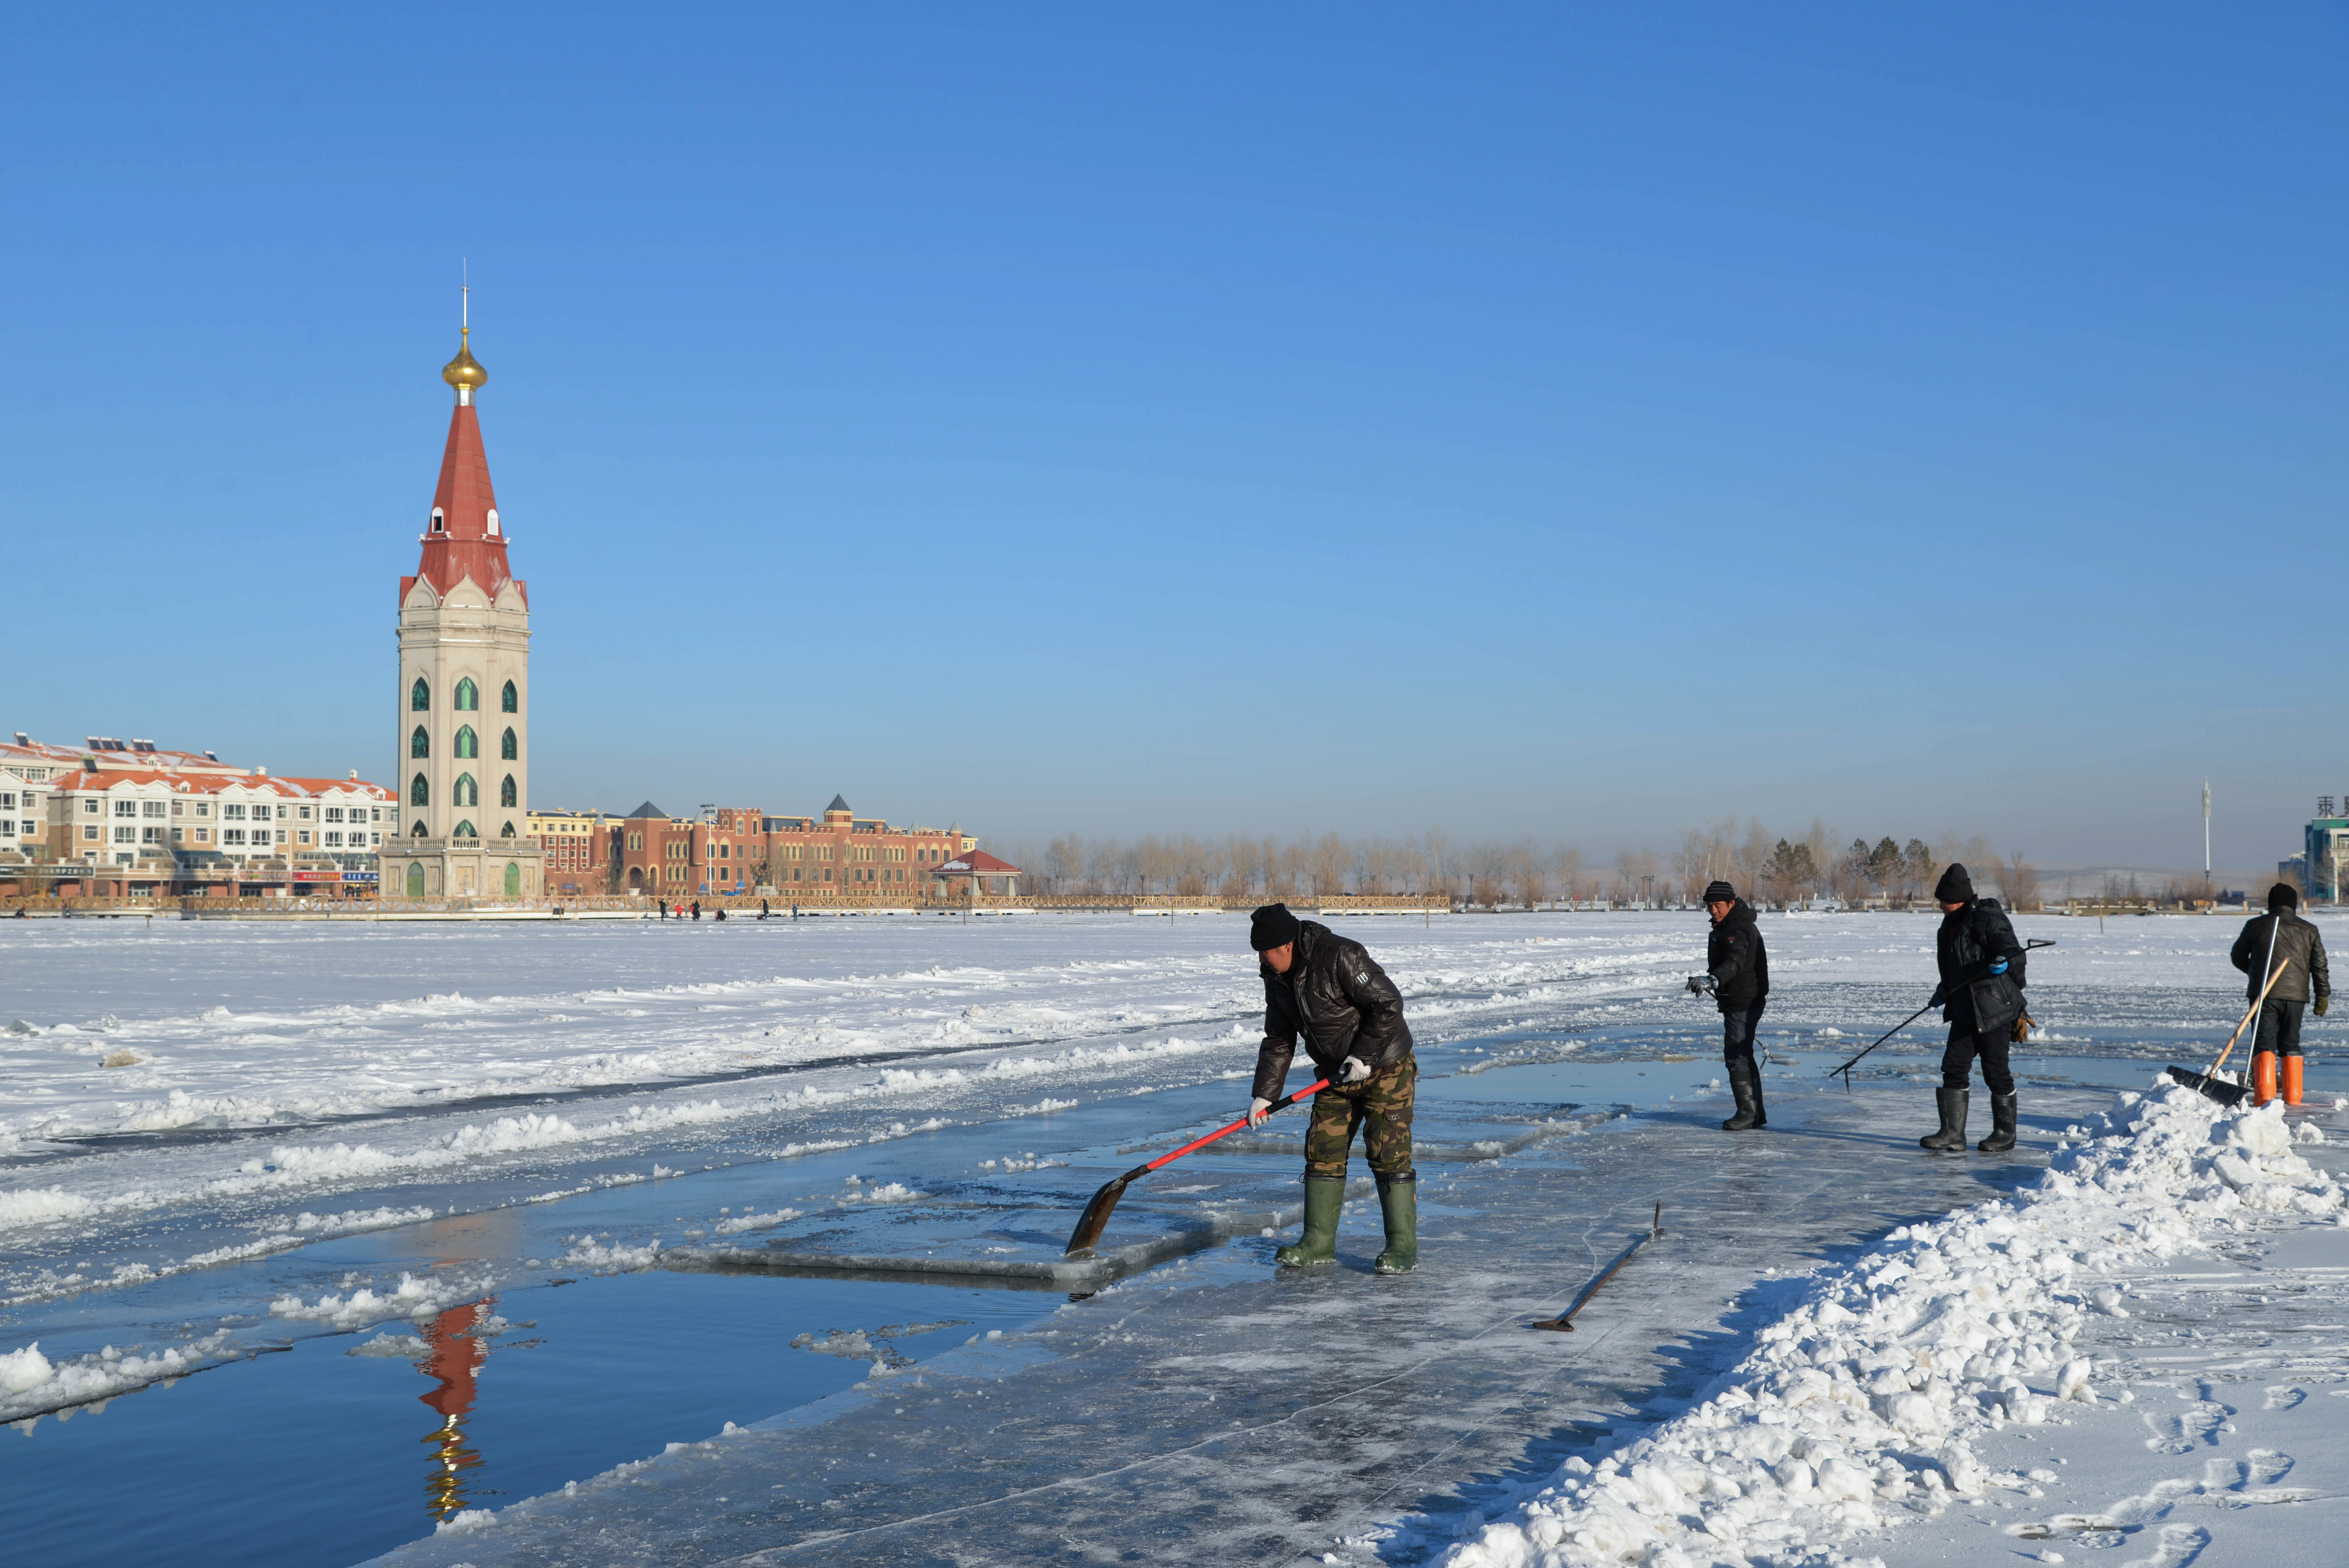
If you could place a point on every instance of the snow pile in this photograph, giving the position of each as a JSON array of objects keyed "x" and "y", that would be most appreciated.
[
  {"x": 879, "y": 1192},
  {"x": 412, "y": 1297},
  {"x": 609, "y": 1257},
  {"x": 1857, "y": 1408},
  {"x": 742, "y": 1222},
  {"x": 39, "y": 1205},
  {"x": 317, "y": 1227},
  {"x": 31, "y": 1384}
]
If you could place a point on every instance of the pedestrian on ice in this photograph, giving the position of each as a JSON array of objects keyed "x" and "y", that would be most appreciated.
[
  {"x": 2280, "y": 942},
  {"x": 1327, "y": 989},
  {"x": 696, "y": 909},
  {"x": 1737, "y": 977},
  {"x": 1981, "y": 996}
]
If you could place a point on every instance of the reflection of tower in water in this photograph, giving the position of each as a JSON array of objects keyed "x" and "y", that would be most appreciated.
[{"x": 455, "y": 1363}]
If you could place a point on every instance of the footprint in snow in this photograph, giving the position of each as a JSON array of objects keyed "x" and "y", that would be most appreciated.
[{"x": 2283, "y": 1396}]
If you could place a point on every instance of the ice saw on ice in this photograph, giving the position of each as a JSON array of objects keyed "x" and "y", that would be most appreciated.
[{"x": 1096, "y": 1215}]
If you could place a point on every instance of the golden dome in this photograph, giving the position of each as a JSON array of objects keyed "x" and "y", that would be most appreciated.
[{"x": 465, "y": 371}]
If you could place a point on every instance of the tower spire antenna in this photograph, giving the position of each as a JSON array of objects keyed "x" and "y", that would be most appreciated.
[{"x": 465, "y": 289}]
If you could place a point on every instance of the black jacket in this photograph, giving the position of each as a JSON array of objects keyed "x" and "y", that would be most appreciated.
[
  {"x": 2299, "y": 953},
  {"x": 1735, "y": 958},
  {"x": 1337, "y": 997},
  {"x": 1968, "y": 939}
]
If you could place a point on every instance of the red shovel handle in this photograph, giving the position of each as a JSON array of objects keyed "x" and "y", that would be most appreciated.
[{"x": 1316, "y": 1086}]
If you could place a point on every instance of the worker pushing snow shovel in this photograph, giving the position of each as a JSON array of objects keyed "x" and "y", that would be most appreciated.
[
  {"x": 2294, "y": 969},
  {"x": 1327, "y": 988}
]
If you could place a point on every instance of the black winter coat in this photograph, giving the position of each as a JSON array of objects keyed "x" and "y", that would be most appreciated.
[
  {"x": 2298, "y": 953},
  {"x": 1337, "y": 997},
  {"x": 1978, "y": 1000},
  {"x": 1735, "y": 958}
]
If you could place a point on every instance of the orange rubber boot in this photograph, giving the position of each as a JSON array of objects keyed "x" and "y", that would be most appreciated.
[
  {"x": 2264, "y": 1084},
  {"x": 2292, "y": 1080}
]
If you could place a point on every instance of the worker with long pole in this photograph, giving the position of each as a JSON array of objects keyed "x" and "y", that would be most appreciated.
[
  {"x": 1982, "y": 966},
  {"x": 1327, "y": 989}
]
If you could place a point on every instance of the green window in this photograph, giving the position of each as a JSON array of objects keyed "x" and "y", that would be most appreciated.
[
  {"x": 419, "y": 744},
  {"x": 465, "y": 830},
  {"x": 507, "y": 832},
  {"x": 419, "y": 696},
  {"x": 513, "y": 879},
  {"x": 418, "y": 830},
  {"x": 419, "y": 793},
  {"x": 507, "y": 794},
  {"x": 509, "y": 748},
  {"x": 468, "y": 743},
  {"x": 468, "y": 794},
  {"x": 469, "y": 695},
  {"x": 511, "y": 700},
  {"x": 415, "y": 880}
]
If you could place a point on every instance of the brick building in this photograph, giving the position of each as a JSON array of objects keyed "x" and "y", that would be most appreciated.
[
  {"x": 731, "y": 848},
  {"x": 578, "y": 849}
]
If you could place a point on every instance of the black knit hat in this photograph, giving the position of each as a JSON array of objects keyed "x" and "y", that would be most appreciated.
[
  {"x": 1955, "y": 886},
  {"x": 2284, "y": 895},
  {"x": 1720, "y": 892},
  {"x": 1271, "y": 926}
]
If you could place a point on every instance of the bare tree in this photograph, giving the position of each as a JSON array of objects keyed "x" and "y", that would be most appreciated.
[
  {"x": 1327, "y": 864},
  {"x": 2018, "y": 881},
  {"x": 1573, "y": 877}
]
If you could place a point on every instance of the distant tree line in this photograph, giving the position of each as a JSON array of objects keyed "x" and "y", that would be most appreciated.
[{"x": 1776, "y": 869}]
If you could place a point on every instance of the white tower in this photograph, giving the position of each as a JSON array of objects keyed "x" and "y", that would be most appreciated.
[{"x": 464, "y": 687}]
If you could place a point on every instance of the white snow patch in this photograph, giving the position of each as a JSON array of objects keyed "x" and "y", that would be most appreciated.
[{"x": 1859, "y": 1408}]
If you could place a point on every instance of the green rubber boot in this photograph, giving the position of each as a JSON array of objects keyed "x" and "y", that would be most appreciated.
[
  {"x": 1399, "y": 1201},
  {"x": 1325, "y": 1196}
]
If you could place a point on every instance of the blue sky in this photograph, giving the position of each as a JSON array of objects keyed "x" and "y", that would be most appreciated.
[{"x": 1565, "y": 422}]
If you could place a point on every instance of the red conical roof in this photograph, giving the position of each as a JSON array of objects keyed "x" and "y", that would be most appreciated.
[{"x": 463, "y": 537}]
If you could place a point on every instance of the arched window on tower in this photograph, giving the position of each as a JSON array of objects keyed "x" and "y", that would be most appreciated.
[
  {"x": 419, "y": 696},
  {"x": 417, "y": 830},
  {"x": 419, "y": 793},
  {"x": 511, "y": 701},
  {"x": 468, "y": 793},
  {"x": 469, "y": 695},
  {"x": 468, "y": 743},
  {"x": 465, "y": 830},
  {"x": 507, "y": 832},
  {"x": 419, "y": 744},
  {"x": 440, "y": 521},
  {"x": 509, "y": 748},
  {"x": 506, "y": 794}
]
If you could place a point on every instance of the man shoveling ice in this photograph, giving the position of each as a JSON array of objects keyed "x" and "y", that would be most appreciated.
[{"x": 1327, "y": 988}]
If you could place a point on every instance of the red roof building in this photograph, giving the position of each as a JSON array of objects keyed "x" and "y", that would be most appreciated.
[{"x": 976, "y": 869}]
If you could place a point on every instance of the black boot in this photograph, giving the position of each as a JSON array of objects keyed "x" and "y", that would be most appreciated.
[
  {"x": 1745, "y": 1083},
  {"x": 1951, "y": 1138},
  {"x": 2001, "y": 1124}
]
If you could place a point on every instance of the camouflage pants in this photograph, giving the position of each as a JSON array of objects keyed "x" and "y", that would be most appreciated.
[{"x": 1381, "y": 1107}]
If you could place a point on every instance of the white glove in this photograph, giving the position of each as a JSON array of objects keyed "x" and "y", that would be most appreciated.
[
  {"x": 1257, "y": 1110},
  {"x": 1355, "y": 1072}
]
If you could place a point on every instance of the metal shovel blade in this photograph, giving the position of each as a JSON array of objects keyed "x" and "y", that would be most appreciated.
[
  {"x": 1095, "y": 1219},
  {"x": 2217, "y": 1088}
]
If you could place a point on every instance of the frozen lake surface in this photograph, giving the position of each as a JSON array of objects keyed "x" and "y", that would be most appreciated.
[{"x": 545, "y": 1153}]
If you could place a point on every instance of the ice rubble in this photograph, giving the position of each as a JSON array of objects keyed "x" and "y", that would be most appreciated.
[
  {"x": 31, "y": 1385},
  {"x": 411, "y": 1298},
  {"x": 1861, "y": 1406}
]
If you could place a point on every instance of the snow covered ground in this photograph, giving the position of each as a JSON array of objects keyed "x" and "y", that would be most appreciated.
[{"x": 332, "y": 1132}]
